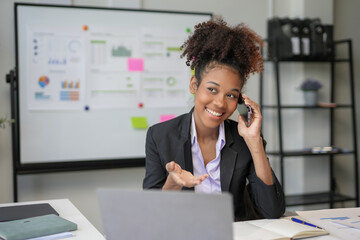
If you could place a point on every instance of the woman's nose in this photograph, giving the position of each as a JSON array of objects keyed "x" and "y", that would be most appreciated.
[{"x": 219, "y": 101}]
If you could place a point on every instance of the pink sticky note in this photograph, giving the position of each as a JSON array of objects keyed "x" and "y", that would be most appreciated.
[
  {"x": 164, "y": 118},
  {"x": 135, "y": 64}
]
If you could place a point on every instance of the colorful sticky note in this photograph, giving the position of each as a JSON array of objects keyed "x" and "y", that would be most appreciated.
[
  {"x": 135, "y": 64},
  {"x": 166, "y": 117},
  {"x": 139, "y": 122}
]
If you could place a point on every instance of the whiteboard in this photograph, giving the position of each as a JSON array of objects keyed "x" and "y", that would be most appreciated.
[{"x": 92, "y": 80}]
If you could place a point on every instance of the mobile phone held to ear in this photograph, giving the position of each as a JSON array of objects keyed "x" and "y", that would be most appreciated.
[{"x": 244, "y": 110}]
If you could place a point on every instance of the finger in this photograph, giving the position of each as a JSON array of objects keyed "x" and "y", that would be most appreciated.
[
  {"x": 170, "y": 166},
  {"x": 256, "y": 108},
  {"x": 245, "y": 98},
  {"x": 199, "y": 179},
  {"x": 249, "y": 101},
  {"x": 204, "y": 176}
]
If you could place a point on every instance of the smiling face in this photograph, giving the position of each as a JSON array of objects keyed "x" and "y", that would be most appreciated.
[{"x": 216, "y": 96}]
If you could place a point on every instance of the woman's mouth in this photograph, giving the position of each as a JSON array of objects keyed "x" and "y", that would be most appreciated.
[{"x": 213, "y": 113}]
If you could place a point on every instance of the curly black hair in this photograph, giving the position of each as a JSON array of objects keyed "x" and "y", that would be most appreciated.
[{"x": 213, "y": 42}]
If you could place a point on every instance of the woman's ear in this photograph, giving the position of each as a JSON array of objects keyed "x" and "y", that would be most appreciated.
[{"x": 193, "y": 85}]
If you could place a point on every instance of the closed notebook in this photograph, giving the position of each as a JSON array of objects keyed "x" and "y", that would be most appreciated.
[
  {"x": 35, "y": 227},
  {"x": 25, "y": 211}
]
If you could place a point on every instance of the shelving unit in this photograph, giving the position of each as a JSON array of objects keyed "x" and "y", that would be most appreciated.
[{"x": 327, "y": 196}]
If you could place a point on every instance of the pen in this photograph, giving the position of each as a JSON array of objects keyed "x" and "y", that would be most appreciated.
[{"x": 303, "y": 222}]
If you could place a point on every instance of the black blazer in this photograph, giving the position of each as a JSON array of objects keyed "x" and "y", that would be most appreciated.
[{"x": 170, "y": 141}]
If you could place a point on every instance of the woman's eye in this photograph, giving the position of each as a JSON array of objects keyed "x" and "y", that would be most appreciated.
[
  {"x": 232, "y": 96},
  {"x": 212, "y": 90}
]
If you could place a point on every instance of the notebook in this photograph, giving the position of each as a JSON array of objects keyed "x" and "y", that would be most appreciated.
[
  {"x": 175, "y": 215},
  {"x": 274, "y": 229},
  {"x": 35, "y": 227},
  {"x": 25, "y": 211}
]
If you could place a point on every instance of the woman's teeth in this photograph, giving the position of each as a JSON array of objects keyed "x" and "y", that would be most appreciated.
[{"x": 214, "y": 113}]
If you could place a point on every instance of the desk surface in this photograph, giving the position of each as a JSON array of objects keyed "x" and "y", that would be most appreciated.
[
  {"x": 68, "y": 211},
  {"x": 87, "y": 231}
]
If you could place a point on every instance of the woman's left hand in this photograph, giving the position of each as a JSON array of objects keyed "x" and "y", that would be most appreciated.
[{"x": 253, "y": 130}]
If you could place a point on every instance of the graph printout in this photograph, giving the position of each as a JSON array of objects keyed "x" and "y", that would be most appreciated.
[{"x": 340, "y": 222}]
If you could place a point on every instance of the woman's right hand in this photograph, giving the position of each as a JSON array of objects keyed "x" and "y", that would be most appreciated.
[{"x": 179, "y": 178}]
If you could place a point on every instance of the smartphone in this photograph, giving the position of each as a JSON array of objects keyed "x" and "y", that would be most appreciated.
[{"x": 244, "y": 110}]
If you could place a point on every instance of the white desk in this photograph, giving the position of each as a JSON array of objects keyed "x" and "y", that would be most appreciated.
[{"x": 68, "y": 211}]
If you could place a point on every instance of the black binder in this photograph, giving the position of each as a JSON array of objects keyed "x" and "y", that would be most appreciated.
[
  {"x": 25, "y": 211},
  {"x": 279, "y": 38},
  {"x": 299, "y": 39}
]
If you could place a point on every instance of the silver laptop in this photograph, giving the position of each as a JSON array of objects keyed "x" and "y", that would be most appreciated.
[{"x": 171, "y": 215}]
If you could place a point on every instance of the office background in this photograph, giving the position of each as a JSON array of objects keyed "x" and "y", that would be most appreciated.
[{"x": 80, "y": 187}]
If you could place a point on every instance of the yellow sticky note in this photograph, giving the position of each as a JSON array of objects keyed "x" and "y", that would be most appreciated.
[{"x": 139, "y": 122}]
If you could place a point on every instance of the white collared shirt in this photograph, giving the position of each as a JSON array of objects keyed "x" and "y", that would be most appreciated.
[{"x": 212, "y": 183}]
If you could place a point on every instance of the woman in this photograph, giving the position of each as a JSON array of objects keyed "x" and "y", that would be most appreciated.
[{"x": 204, "y": 150}]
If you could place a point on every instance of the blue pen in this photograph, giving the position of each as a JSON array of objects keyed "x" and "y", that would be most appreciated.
[{"x": 303, "y": 222}]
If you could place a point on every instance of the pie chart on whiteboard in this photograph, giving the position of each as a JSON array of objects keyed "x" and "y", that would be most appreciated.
[{"x": 43, "y": 81}]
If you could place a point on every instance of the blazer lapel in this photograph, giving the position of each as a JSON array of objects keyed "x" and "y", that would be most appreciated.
[
  {"x": 185, "y": 156},
  {"x": 228, "y": 159},
  {"x": 184, "y": 153}
]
